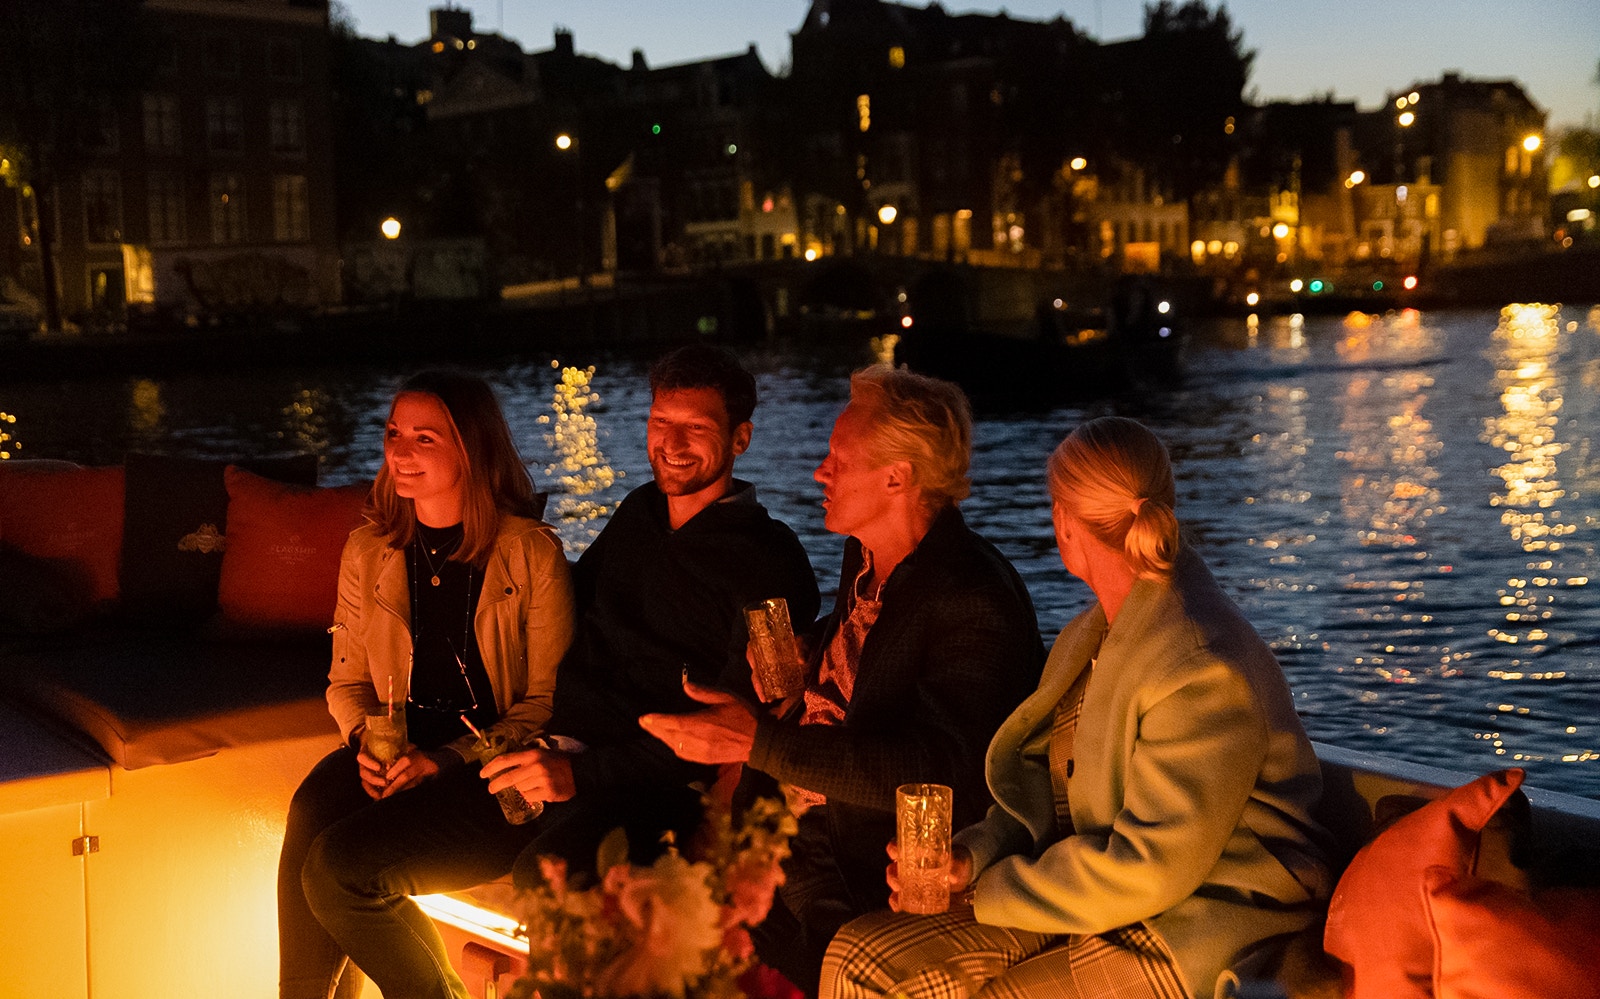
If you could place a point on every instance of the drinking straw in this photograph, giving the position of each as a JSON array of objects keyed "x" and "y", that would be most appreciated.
[
  {"x": 390, "y": 711},
  {"x": 471, "y": 727}
]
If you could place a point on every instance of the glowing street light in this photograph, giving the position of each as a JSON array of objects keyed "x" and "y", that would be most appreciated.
[
  {"x": 1406, "y": 118},
  {"x": 1281, "y": 230},
  {"x": 390, "y": 227},
  {"x": 1532, "y": 143},
  {"x": 563, "y": 142},
  {"x": 1078, "y": 163},
  {"x": 1356, "y": 177},
  {"x": 887, "y": 214}
]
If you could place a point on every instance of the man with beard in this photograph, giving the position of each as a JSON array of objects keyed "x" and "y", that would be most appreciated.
[{"x": 660, "y": 595}]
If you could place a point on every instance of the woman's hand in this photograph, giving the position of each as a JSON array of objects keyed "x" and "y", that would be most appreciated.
[
  {"x": 722, "y": 732},
  {"x": 538, "y": 774},
  {"x": 960, "y": 872},
  {"x": 412, "y": 768}
]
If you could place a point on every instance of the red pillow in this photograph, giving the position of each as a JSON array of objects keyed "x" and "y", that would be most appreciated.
[
  {"x": 1493, "y": 942},
  {"x": 1378, "y": 919},
  {"x": 71, "y": 517},
  {"x": 280, "y": 566}
]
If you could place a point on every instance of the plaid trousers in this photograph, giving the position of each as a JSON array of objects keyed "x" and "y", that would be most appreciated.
[{"x": 953, "y": 956}]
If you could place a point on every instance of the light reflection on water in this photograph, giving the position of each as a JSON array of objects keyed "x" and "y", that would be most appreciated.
[{"x": 1406, "y": 506}]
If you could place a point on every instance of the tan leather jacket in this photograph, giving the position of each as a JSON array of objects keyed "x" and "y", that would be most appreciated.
[{"x": 523, "y": 625}]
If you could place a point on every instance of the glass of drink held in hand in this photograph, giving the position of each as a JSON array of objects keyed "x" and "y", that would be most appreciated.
[
  {"x": 922, "y": 819},
  {"x": 384, "y": 737},
  {"x": 517, "y": 809},
  {"x": 773, "y": 654}
]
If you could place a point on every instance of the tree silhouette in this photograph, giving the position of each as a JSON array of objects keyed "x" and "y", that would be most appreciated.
[{"x": 1175, "y": 91}]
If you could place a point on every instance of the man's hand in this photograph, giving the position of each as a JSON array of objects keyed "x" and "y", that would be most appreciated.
[
  {"x": 409, "y": 770},
  {"x": 723, "y": 732},
  {"x": 960, "y": 872},
  {"x": 802, "y": 647},
  {"x": 539, "y": 774}
]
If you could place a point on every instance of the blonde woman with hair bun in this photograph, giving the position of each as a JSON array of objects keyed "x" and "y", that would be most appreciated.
[{"x": 1152, "y": 835}]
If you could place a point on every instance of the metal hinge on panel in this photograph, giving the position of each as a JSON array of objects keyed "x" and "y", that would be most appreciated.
[{"x": 85, "y": 844}]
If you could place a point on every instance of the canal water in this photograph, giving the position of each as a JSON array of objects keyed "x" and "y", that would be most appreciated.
[{"x": 1406, "y": 506}]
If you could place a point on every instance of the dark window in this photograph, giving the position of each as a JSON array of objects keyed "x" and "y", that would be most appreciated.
[
  {"x": 283, "y": 58},
  {"x": 166, "y": 208},
  {"x": 224, "y": 125},
  {"x": 219, "y": 55},
  {"x": 102, "y": 206}
]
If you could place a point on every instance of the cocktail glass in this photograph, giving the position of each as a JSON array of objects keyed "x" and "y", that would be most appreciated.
[
  {"x": 517, "y": 809},
  {"x": 773, "y": 655},
  {"x": 922, "y": 818}
]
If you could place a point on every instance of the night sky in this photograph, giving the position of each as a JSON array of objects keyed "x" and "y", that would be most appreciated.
[{"x": 1356, "y": 49}]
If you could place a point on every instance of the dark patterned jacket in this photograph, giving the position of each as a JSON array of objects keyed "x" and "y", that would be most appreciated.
[{"x": 955, "y": 648}]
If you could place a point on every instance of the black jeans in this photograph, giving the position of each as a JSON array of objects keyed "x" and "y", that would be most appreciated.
[{"x": 349, "y": 865}]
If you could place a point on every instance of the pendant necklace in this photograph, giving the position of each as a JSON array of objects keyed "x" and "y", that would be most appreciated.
[
  {"x": 466, "y": 627},
  {"x": 429, "y": 552}
]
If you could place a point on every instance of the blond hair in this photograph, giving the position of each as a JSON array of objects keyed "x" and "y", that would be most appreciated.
[
  {"x": 925, "y": 422},
  {"x": 1115, "y": 476}
]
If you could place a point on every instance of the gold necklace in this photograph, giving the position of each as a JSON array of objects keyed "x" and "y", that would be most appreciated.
[{"x": 428, "y": 553}]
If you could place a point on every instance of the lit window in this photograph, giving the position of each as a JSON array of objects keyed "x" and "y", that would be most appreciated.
[{"x": 897, "y": 57}]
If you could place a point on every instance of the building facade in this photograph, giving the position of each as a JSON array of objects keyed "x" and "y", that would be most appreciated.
[{"x": 208, "y": 189}]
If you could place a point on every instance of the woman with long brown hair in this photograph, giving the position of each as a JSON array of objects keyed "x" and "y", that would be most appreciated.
[{"x": 455, "y": 607}]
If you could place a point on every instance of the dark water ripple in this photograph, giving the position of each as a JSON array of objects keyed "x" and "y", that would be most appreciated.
[{"x": 1407, "y": 507}]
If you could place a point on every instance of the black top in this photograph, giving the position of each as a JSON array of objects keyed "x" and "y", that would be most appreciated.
[
  {"x": 653, "y": 602},
  {"x": 447, "y": 674}
]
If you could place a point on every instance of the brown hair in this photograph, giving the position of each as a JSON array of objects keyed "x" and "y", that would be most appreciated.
[
  {"x": 701, "y": 365},
  {"x": 495, "y": 479},
  {"x": 1115, "y": 476},
  {"x": 923, "y": 421}
]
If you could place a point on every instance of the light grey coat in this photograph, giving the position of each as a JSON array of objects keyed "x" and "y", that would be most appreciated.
[{"x": 1191, "y": 795}]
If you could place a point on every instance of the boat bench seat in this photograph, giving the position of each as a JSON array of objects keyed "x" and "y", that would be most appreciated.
[{"x": 148, "y": 699}]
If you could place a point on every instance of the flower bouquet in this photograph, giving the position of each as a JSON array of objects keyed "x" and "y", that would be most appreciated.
[{"x": 677, "y": 928}]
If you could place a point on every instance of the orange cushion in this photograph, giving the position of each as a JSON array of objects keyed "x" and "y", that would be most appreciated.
[
  {"x": 70, "y": 517},
  {"x": 1377, "y": 918},
  {"x": 280, "y": 569},
  {"x": 1494, "y": 942}
]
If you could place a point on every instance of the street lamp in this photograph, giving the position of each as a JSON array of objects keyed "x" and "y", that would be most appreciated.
[
  {"x": 390, "y": 227},
  {"x": 887, "y": 214}
]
